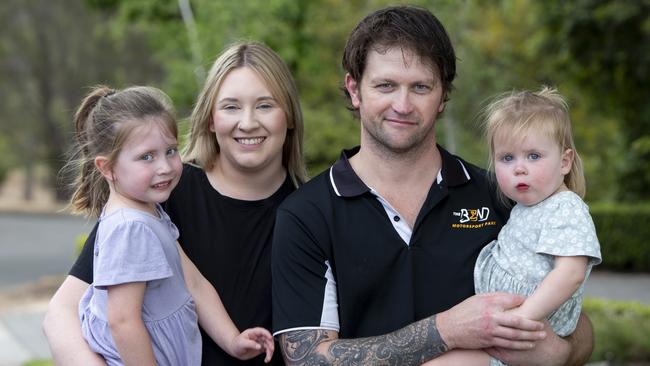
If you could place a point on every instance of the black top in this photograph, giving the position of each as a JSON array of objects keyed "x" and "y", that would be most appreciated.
[
  {"x": 229, "y": 241},
  {"x": 340, "y": 264}
]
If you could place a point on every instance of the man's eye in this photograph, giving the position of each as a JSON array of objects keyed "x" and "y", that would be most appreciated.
[{"x": 420, "y": 88}]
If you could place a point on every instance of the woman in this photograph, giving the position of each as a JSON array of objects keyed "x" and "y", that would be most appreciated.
[{"x": 243, "y": 157}]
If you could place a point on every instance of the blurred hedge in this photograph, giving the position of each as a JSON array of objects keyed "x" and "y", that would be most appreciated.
[
  {"x": 621, "y": 330},
  {"x": 624, "y": 234}
]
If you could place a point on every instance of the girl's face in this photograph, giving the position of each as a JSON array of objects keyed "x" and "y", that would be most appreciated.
[
  {"x": 148, "y": 167},
  {"x": 249, "y": 124},
  {"x": 530, "y": 169}
]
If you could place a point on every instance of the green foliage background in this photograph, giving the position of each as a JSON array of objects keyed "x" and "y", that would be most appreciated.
[
  {"x": 595, "y": 51},
  {"x": 623, "y": 232}
]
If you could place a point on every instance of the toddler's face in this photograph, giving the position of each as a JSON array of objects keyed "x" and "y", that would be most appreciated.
[{"x": 530, "y": 169}]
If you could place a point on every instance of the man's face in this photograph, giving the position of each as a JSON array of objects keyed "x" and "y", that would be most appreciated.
[{"x": 398, "y": 99}]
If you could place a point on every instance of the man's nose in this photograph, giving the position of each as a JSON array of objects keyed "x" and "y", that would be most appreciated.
[{"x": 402, "y": 103}]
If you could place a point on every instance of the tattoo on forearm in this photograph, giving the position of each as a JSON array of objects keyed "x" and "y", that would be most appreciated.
[
  {"x": 411, "y": 345},
  {"x": 299, "y": 347}
]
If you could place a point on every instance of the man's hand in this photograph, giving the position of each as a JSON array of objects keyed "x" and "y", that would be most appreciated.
[
  {"x": 551, "y": 351},
  {"x": 481, "y": 321},
  {"x": 554, "y": 350}
]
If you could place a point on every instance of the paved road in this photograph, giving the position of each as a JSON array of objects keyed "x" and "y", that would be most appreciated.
[
  {"x": 33, "y": 246},
  {"x": 619, "y": 286}
]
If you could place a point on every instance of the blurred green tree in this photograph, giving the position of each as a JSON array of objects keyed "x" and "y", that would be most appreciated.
[
  {"x": 605, "y": 50},
  {"x": 51, "y": 51},
  {"x": 594, "y": 51}
]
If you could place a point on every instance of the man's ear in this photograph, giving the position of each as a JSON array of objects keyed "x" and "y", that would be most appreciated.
[
  {"x": 441, "y": 107},
  {"x": 352, "y": 87},
  {"x": 567, "y": 161},
  {"x": 101, "y": 163}
]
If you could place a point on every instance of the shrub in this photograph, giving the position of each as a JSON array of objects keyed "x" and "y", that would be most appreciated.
[
  {"x": 621, "y": 330},
  {"x": 623, "y": 231}
]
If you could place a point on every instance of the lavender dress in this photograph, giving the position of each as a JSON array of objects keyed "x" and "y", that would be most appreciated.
[{"x": 133, "y": 246}]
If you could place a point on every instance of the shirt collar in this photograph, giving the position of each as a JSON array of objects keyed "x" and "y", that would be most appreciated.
[{"x": 346, "y": 183}]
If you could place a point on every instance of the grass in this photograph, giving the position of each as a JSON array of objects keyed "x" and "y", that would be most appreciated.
[{"x": 39, "y": 363}]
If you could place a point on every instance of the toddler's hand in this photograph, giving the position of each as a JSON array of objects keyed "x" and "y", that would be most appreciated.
[{"x": 253, "y": 342}]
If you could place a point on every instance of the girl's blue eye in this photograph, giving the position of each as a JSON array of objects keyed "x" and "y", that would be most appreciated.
[
  {"x": 172, "y": 151},
  {"x": 507, "y": 158},
  {"x": 533, "y": 156},
  {"x": 147, "y": 157}
]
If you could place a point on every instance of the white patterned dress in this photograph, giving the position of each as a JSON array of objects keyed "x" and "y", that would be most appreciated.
[{"x": 527, "y": 245}]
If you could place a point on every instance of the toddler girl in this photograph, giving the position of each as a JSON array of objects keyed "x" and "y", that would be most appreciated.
[
  {"x": 548, "y": 246},
  {"x": 147, "y": 296}
]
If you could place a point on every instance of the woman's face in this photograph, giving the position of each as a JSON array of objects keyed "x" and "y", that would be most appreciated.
[{"x": 249, "y": 124}]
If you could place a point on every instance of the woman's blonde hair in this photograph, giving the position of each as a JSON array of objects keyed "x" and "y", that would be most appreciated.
[
  {"x": 202, "y": 147},
  {"x": 517, "y": 113},
  {"x": 103, "y": 123}
]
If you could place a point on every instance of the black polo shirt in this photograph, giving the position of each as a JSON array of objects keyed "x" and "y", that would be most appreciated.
[{"x": 339, "y": 261}]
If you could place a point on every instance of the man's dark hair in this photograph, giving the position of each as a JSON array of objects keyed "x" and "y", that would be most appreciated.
[{"x": 410, "y": 28}]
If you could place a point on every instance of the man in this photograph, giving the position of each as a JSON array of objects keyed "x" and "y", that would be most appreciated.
[{"x": 369, "y": 257}]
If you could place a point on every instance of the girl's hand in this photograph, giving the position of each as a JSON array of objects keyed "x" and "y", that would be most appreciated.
[{"x": 253, "y": 342}]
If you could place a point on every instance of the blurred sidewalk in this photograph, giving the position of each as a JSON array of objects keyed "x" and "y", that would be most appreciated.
[{"x": 22, "y": 307}]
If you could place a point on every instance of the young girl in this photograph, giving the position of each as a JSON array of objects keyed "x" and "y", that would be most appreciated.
[
  {"x": 549, "y": 245},
  {"x": 146, "y": 296}
]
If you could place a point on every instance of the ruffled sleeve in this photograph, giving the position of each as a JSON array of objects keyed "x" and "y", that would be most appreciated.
[
  {"x": 130, "y": 252},
  {"x": 570, "y": 231}
]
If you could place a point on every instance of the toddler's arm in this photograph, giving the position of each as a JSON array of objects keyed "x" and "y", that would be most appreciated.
[
  {"x": 127, "y": 328},
  {"x": 214, "y": 318},
  {"x": 556, "y": 288}
]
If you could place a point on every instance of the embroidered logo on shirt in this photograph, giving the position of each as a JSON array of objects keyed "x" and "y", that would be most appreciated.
[{"x": 473, "y": 218}]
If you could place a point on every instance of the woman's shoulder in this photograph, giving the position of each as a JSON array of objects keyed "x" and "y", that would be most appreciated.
[
  {"x": 191, "y": 169},
  {"x": 191, "y": 176}
]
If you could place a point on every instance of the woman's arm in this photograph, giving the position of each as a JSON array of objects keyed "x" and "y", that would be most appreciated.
[
  {"x": 214, "y": 318},
  {"x": 62, "y": 327},
  {"x": 125, "y": 321},
  {"x": 556, "y": 288}
]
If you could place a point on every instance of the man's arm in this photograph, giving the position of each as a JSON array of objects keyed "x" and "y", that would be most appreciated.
[
  {"x": 62, "y": 327},
  {"x": 477, "y": 322},
  {"x": 411, "y": 345},
  {"x": 573, "y": 350}
]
